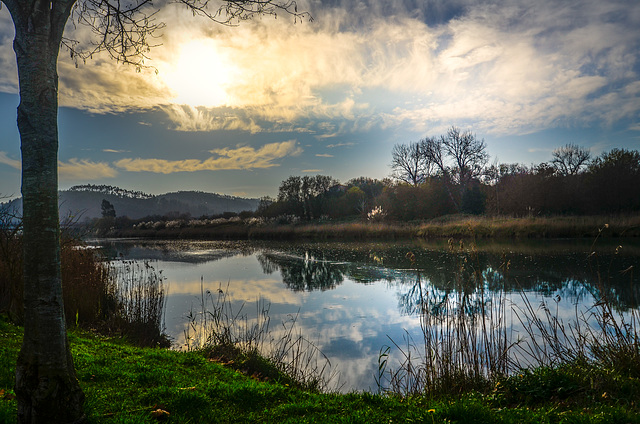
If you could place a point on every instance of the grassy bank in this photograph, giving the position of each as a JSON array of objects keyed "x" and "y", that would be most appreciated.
[
  {"x": 125, "y": 384},
  {"x": 457, "y": 226},
  {"x": 532, "y": 227}
]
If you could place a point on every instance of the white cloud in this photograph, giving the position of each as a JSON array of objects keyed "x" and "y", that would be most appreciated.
[
  {"x": 505, "y": 67},
  {"x": 11, "y": 162},
  {"x": 74, "y": 169},
  {"x": 83, "y": 169},
  {"x": 222, "y": 159},
  {"x": 200, "y": 118},
  {"x": 9, "y": 73},
  {"x": 333, "y": 146}
]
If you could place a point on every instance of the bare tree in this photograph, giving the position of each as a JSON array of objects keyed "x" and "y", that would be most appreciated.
[
  {"x": 407, "y": 163},
  {"x": 432, "y": 149},
  {"x": 458, "y": 156},
  {"x": 413, "y": 163},
  {"x": 570, "y": 159},
  {"x": 46, "y": 385},
  {"x": 467, "y": 153}
]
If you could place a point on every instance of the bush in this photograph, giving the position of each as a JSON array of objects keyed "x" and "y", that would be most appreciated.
[{"x": 128, "y": 299}]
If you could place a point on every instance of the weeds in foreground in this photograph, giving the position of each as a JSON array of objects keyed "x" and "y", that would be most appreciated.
[
  {"x": 125, "y": 384},
  {"x": 140, "y": 299},
  {"x": 468, "y": 344},
  {"x": 249, "y": 344},
  {"x": 124, "y": 297}
]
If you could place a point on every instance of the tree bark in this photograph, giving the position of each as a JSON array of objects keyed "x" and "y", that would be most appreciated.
[{"x": 46, "y": 385}]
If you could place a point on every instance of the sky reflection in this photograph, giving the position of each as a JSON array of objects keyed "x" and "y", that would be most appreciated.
[{"x": 349, "y": 305}]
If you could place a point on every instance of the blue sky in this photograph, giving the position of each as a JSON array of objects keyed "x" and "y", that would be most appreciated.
[{"x": 236, "y": 110}]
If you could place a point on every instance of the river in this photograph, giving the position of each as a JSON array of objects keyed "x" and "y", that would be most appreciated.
[{"x": 351, "y": 300}]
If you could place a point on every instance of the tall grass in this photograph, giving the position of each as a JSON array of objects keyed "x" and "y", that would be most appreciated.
[
  {"x": 230, "y": 335},
  {"x": 464, "y": 341},
  {"x": 598, "y": 334},
  {"x": 88, "y": 287},
  {"x": 529, "y": 227},
  {"x": 127, "y": 298},
  {"x": 10, "y": 263},
  {"x": 457, "y": 225},
  {"x": 140, "y": 297},
  {"x": 468, "y": 343}
]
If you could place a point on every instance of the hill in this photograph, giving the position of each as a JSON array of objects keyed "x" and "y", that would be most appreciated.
[{"x": 86, "y": 200}]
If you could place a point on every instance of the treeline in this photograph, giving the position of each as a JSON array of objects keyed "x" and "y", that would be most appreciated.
[
  {"x": 112, "y": 190},
  {"x": 450, "y": 174}
]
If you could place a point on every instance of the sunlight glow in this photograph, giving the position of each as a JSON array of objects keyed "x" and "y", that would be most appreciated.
[{"x": 202, "y": 75}]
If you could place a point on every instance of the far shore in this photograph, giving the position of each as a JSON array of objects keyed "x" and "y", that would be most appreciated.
[{"x": 454, "y": 226}]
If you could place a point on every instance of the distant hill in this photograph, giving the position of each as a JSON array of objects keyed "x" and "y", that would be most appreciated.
[{"x": 86, "y": 200}]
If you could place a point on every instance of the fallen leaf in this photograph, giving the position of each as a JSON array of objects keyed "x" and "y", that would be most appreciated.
[
  {"x": 160, "y": 414},
  {"x": 6, "y": 395}
]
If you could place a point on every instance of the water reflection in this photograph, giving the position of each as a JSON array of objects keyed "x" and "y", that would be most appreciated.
[
  {"x": 567, "y": 272},
  {"x": 352, "y": 297},
  {"x": 303, "y": 273}
]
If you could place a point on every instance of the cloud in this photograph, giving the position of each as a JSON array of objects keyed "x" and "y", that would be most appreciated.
[
  {"x": 200, "y": 118},
  {"x": 311, "y": 171},
  {"x": 323, "y": 155},
  {"x": 223, "y": 159},
  {"x": 74, "y": 169},
  {"x": 9, "y": 74},
  {"x": 11, "y": 162},
  {"x": 503, "y": 67},
  {"x": 114, "y": 151},
  {"x": 82, "y": 169},
  {"x": 332, "y": 146}
]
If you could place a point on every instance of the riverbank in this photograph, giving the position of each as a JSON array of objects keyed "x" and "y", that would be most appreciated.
[
  {"x": 125, "y": 384},
  {"x": 453, "y": 226}
]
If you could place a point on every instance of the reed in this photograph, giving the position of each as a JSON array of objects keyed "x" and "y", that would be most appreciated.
[
  {"x": 464, "y": 341},
  {"x": 249, "y": 344},
  {"x": 88, "y": 286},
  {"x": 529, "y": 227},
  {"x": 127, "y": 298},
  {"x": 467, "y": 341},
  {"x": 140, "y": 302}
]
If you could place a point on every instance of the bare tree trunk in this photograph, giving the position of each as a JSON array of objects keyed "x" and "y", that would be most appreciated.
[{"x": 46, "y": 383}]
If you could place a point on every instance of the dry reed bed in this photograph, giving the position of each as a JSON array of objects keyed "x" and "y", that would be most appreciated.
[{"x": 456, "y": 226}]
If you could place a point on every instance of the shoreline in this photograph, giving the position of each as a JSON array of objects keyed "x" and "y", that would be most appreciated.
[{"x": 456, "y": 226}]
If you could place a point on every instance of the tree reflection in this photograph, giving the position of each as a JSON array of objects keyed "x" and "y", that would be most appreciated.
[
  {"x": 303, "y": 274},
  {"x": 459, "y": 269}
]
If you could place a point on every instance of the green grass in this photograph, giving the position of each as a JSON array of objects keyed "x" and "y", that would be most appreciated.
[{"x": 124, "y": 384}]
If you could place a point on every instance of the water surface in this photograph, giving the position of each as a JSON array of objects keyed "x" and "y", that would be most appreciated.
[{"x": 352, "y": 299}]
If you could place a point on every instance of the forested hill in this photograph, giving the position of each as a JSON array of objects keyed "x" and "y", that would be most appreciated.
[{"x": 86, "y": 201}]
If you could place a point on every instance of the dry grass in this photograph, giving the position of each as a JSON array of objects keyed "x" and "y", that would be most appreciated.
[
  {"x": 233, "y": 337},
  {"x": 126, "y": 299},
  {"x": 450, "y": 226},
  {"x": 140, "y": 300},
  {"x": 467, "y": 343},
  {"x": 531, "y": 227}
]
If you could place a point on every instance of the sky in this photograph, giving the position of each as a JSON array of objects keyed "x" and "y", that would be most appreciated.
[{"x": 237, "y": 109}]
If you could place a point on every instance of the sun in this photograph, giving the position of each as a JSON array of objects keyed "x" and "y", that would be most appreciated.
[{"x": 201, "y": 75}]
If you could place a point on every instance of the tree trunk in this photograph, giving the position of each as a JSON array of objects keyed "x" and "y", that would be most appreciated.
[{"x": 46, "y": 385}]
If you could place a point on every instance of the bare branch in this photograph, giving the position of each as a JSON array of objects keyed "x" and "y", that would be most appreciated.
[
  {"x": 127, "y": 29},
  {"x": 407, "y": 163},
  {"x": 467, "y": 152},
  {"x": 570, "y": 159},
  {"x": 232, "y": 12}
]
